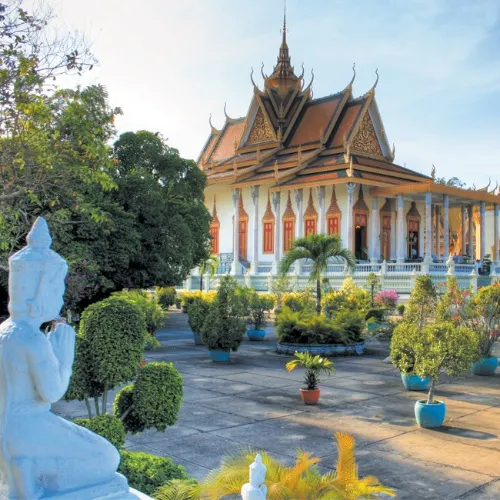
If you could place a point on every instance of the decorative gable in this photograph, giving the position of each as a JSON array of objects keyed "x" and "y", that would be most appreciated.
[
  {"x": 366, "y": 140},
  {"x": 261, "y": 130}
]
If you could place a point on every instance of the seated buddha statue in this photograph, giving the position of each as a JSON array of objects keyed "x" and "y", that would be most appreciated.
[{"x": 43, "y": 455}]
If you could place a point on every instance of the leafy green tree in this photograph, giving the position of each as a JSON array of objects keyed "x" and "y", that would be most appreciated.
[
  {"x": 423, "y": 302},
  {"x": 208, "y": 266},
  {"x": 319, "y": 249},
  {"x": 165, "y": 195}
]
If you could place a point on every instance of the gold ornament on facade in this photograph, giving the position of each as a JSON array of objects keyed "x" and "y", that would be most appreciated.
[
  {"x": 261, "y": 130},
  {"x": 366, "y": 140},
  {"x": 289, "y": 213}
]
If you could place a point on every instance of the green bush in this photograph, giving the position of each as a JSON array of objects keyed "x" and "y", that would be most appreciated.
[
  {"x": 152, "y": 343},
  {"x": 224, "y": 328},
  {"x": 146, "y": 472},
  {"x": 376, "y": 314},
  {"x": 351, "y": 324},
  {"x": 153, "y": 312},
  {"x": 404, "y": 339},
  {"x": 166, "y": 296},
  {"x": 257, "y": 306},
  {"x": 107, "y": 426},
  {"x": 154, "y": 400},
  {"x": 198, "y": 311},
  {"x": 110, "y": 347},
  {"x": 300, "y": 301}
]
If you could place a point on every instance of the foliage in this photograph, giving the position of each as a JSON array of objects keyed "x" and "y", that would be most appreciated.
[
  {"x": 280, "y": 285},
  {"x": 422, "y": 304},
  {"x": 109, "y": 348},
  {"x": 152, "y": 343},
  {"x": 373, "y": 283},
  {"x": 149, "y": 306},
  {"x": 107, "y": 426},
  {"x": 258, "y": 305},
  {"x": 165, "y": 195},
  {"x": 350, "y": 296},
  {"x": 401, "y": 309},
  {"x": 377, "y": 315},
  {"x": 187, "y": 298},
  {"x": 146, "y": 472},
  {"x": 302, "y": 480},
  {"x": 403, "y": 343},
  {"x": 223, "y": 327},
  {"x": 208, "y": 266},
  {"x": 198, "y": 310},
  {"x": 153, "y": 401},
  {"x": 300, "y": 301},
  {"x": 487, "y": 307},
  {"x": 166, "y": 296},
  {"x": 314, "y": 365},
  {"x": 319, "y": 249},
  {"x": 178, "y": 489},
  {"x": 444, "y": 347},
  {"x": 306, "y": 328},
  {"x": 387, "y": 298}
]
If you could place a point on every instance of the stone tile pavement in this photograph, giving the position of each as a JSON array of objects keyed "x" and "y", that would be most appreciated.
[{"x": 254, "y": 402}]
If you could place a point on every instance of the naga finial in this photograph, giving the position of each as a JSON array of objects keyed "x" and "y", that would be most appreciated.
[
  {"x": 393, "y": 153},
  {"x": 262, "y": 72},
  {"x": 353, "y": 74},
  {"x": 214, "y": 130},
  {"x": 301, "y": 77},
  {"x": 311, "y": 82},
  {"x": 226, "y": 115},
  {"x": 253, "y": 83}
]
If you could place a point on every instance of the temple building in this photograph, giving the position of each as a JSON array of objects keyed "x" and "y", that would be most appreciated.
[{"x": 297, "y": 165}]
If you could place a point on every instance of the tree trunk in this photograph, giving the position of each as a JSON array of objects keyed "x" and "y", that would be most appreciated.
[
  {"x": 430, "y": 398},
  {"x": 318, "y": 295},
  {"x": 105, "y": 398},
  {"x": 96, "y": 404},
  {"x": 127, "y": 411},
  {"x": 89, "y": 408},
  {"x": 201, "y": 282}
]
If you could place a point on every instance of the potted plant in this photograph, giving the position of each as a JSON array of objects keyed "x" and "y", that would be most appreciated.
[
  {"x": 443, "y": 346},
  {"x": 258, "y": 305},
  {"x": 374, "y": 318},
  {"x": 223, "y": 328},
  {"x": 419, "y": 309},
  {"x": 197, "y": 313},
  {"x": 314, "y": 365}
]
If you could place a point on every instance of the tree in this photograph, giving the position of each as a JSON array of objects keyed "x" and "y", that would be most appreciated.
[
  {"x": 165, "y": 195},
  {"x": 209, "y": 266},
  {"x": 319, "y": 249}
]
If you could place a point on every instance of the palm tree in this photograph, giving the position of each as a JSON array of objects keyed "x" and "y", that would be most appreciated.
[
  {"x": 318, "y": 248},
  {"x": 210, "y": 266}
]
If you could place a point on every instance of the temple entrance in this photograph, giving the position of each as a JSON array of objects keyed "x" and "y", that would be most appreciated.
[
  {"x": 385, "y": 238},
  {"x": 243, "y": 238},
  {"x": 413, "y": 239},
  {"x": 360, "y": 248}
]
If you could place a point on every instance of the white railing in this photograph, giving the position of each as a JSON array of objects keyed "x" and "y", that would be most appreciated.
[{"x": 404, "y": 267}]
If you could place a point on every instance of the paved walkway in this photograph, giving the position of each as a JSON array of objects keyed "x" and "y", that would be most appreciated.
[{"x": 254, "y": 402}]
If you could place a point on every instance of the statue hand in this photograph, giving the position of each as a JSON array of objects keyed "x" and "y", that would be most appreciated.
[{"x": 63, "y": 342}]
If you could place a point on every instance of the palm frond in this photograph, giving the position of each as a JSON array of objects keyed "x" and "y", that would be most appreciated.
[{"x": 346, "y": 462}]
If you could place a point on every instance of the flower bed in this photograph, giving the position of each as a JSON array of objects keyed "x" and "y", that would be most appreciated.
[{"x": 322, "y": 349}]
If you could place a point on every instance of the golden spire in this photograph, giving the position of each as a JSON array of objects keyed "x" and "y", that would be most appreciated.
[
  {"x": 215, "y": 218},
  {"x": 268, "y": 215}
]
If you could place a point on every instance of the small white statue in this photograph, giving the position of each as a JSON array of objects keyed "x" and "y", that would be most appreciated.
[
  {"x": 43, "y": 455},
  {"x": 255, "y": 489}
]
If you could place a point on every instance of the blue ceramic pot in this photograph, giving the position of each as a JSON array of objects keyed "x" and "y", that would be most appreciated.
[
  {"x": 197, "y": 339},
  {"x": 256, "y": 334},
  {"x": 219, "y": 356},
  {"x": 415, "y": 383},
  {"x": 485, "y": 366},
  {"x": 430, "y": 416},
  {"x": 373, "y": 327},
  {"x": 360, "y": 349}
]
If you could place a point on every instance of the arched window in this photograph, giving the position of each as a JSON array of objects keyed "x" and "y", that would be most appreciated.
[
  {"x": 360, "y": 216},
  {"x": 268, "y": 228},
  {"x": 214, "y": 231},
  {"x": 288, "y": 225},
  {"x": 310, "y": 217},
  {"x": 333, "y": 216}
]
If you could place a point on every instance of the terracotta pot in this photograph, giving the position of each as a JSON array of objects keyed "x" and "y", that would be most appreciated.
[{"x": 310, "y": 397}]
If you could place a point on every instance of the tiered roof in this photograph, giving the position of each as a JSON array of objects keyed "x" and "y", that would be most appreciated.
[{"x": 289, "y": 140}]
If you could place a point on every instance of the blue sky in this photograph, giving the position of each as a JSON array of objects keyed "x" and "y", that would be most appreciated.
[{"x": 169, "y": 64}]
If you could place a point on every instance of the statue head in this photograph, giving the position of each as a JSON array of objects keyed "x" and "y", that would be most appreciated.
[{"x": 36, "y": 277}]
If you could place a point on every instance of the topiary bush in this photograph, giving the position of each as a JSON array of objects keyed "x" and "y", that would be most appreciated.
[
  {"x": 146, "y": 472},
  {"x": 258, "y": 305},
  {"x": 166, "y": 296},
  {"x": 198, "y": 311},
  {"x": 153, "y": 401},
  {"x": 154, "y": 314},
  {"x": 107, "y": 426}
]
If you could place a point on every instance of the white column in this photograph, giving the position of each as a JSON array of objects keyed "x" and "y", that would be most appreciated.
[
  {"x": 235, "y": 267},
  {"x": 464, "y": 230},
  {"x": 438, "y": 232},
  {"x": 322, "y": 215},
  {"x": 394, "y": 232},
  {"x": 470, "y": 210},
  {"x": 401, "y": 237},
  {"x": 446, "y": 217},
  {"x": 428, "y": 227},
  {"x": 482, "y": 222},
  {"x": 350, "y": 235},
  {"x": 375, "y": 245},
  {"x": 299, "y": 226},
  {"x": 276, "y": 197},
  {"x": 254, "y": 191},
  {"x": 496, "y": 234}
]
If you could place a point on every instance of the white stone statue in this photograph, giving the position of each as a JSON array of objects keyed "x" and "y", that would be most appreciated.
[
  {"x": 43, "y": 455},
  {"x": 255, "y": 489}
]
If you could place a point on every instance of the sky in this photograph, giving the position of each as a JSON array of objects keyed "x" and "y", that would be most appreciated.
[{"x": 169, "y": 64}]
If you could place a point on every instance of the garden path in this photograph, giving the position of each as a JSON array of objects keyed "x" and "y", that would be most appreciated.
[{"x": 254, "y": 402}]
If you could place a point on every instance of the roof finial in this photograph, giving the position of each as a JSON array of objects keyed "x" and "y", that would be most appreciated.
[
  {"x": 353, "y": 74},
  {"x": 253, "y": 83},
  {"x": 376, "y": 81},
  {"x": 225, "y": 114},
  {"x": 284, "y": 23},
  {"x": 262, "y": 72},
  {"x": 214, "y": 130}
]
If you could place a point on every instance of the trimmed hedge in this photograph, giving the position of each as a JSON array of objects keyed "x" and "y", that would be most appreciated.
[
  {"x": 107, "y": 426},
  {"x": 146, "y": 472},
  {"x": 123, "y": 401},
  {"x": 166, "y": 296}
]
